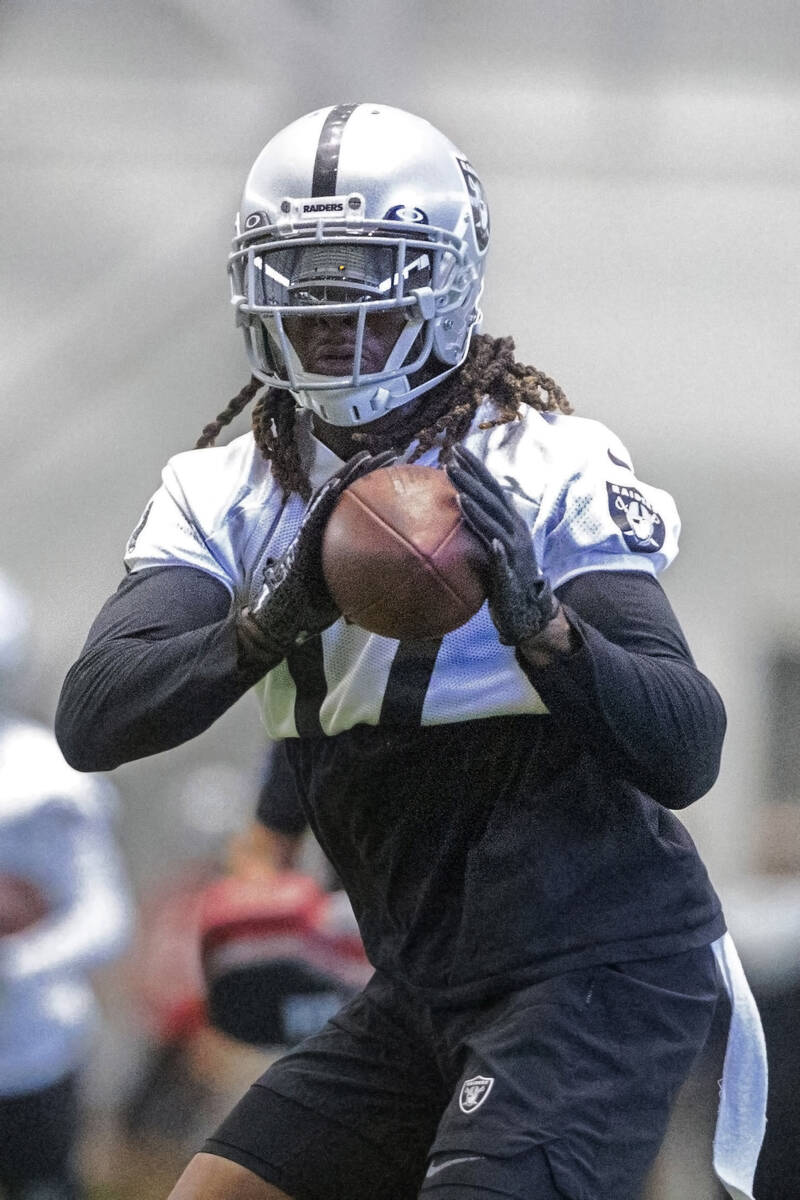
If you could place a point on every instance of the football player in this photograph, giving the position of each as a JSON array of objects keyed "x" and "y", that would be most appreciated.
[
  {"x": 56, "y": 838},
  {"x": 280, "y": 948},
  {"x": 499, "y": 803}
]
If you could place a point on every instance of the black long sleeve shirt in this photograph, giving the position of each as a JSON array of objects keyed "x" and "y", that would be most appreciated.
[{"x": 473, "y": 852}]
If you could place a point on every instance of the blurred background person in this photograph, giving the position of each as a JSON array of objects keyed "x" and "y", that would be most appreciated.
[
  {"x": 245, "y": 944},
  {"x": 280, "y": 946},
  {"x": 181, "y": 1069},
  {"x": 65, "y": 909}
]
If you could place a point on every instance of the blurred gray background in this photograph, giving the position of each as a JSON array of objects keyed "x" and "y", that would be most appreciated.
[
  {"x": 643, "y": 168},
  {"x": 642, "y": 163}
]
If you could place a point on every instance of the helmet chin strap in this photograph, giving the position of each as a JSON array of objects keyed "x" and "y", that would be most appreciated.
[
  {"x": 384, "y": 402},
  {"x": 354, "y": 406}
]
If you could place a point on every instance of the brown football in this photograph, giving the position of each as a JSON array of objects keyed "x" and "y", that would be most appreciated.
[{"x": 398, "y": 558}]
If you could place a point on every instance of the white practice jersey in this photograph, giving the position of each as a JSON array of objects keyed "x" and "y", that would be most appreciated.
[{"x": 221, "y": 511}]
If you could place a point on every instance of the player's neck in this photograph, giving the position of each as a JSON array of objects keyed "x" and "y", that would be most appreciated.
[{"x": 338, "y": 438}]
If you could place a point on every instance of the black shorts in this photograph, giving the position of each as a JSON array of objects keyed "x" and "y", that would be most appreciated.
[{"x": 560, "y": 1089}]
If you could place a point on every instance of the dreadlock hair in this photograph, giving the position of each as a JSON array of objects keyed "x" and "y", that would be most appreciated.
[{"x": 490, "y": 368}]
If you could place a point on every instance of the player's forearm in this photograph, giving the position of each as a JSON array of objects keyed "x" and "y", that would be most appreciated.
[
  {"x": 656, "y": 722},
  {"x": 161, "y": 664},
  {"x": 626, "y": 687},
  {"x": 127, "y": 698}
]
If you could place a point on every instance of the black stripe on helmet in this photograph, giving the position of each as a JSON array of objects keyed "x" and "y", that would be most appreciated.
[{"x": 326, "y": 163}]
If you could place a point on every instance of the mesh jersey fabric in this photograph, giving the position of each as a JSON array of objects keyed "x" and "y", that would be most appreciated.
[{"x": 221, "y": 511}]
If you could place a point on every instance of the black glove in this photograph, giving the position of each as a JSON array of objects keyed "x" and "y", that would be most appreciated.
[
  {"x": 521, "y": 601},
  {"x": 294, "y": 603}
]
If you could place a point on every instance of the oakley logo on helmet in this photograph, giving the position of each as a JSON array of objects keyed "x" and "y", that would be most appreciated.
[
  {"x": 408, "y": 215},
  {"x": 256, "y": 219},
  {"x": 480, "y": 209}
]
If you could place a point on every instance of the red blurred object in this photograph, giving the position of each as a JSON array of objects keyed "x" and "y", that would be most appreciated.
[
  {"x": 165, "y": 973},
  {"x": 276, "y": 960},
  {"x": 22, "y": 904}
]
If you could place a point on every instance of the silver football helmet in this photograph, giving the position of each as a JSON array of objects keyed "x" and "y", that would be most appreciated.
[{"x": 351, "y": 213}]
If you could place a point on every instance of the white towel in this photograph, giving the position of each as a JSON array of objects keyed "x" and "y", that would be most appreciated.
[{"x": 741, "y": 1119}]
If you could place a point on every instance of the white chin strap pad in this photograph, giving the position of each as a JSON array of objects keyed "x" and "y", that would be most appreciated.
[{"x": 355, "y": 406}]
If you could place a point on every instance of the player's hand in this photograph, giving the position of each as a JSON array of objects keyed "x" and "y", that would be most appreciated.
[
  {"x": 294, "y": 603},
  {"x": 521, "y": 601},
  {"x": 260, "y": 853}
]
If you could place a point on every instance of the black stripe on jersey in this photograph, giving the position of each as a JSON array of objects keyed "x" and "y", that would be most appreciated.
[
  {"x": 408, "y": 681},
  {"x": 326, "y": 163},
  {"x": 307, "y": 668}
]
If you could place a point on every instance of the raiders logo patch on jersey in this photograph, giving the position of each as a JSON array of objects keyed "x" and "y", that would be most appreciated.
[{"x": 638, "y": 522}]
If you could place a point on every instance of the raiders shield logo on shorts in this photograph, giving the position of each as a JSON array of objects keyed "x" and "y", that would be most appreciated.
[{"x": 473, "y": 1093}]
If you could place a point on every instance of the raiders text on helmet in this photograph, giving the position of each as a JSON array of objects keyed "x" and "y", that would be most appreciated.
[{"x": 348, "y": 212}]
